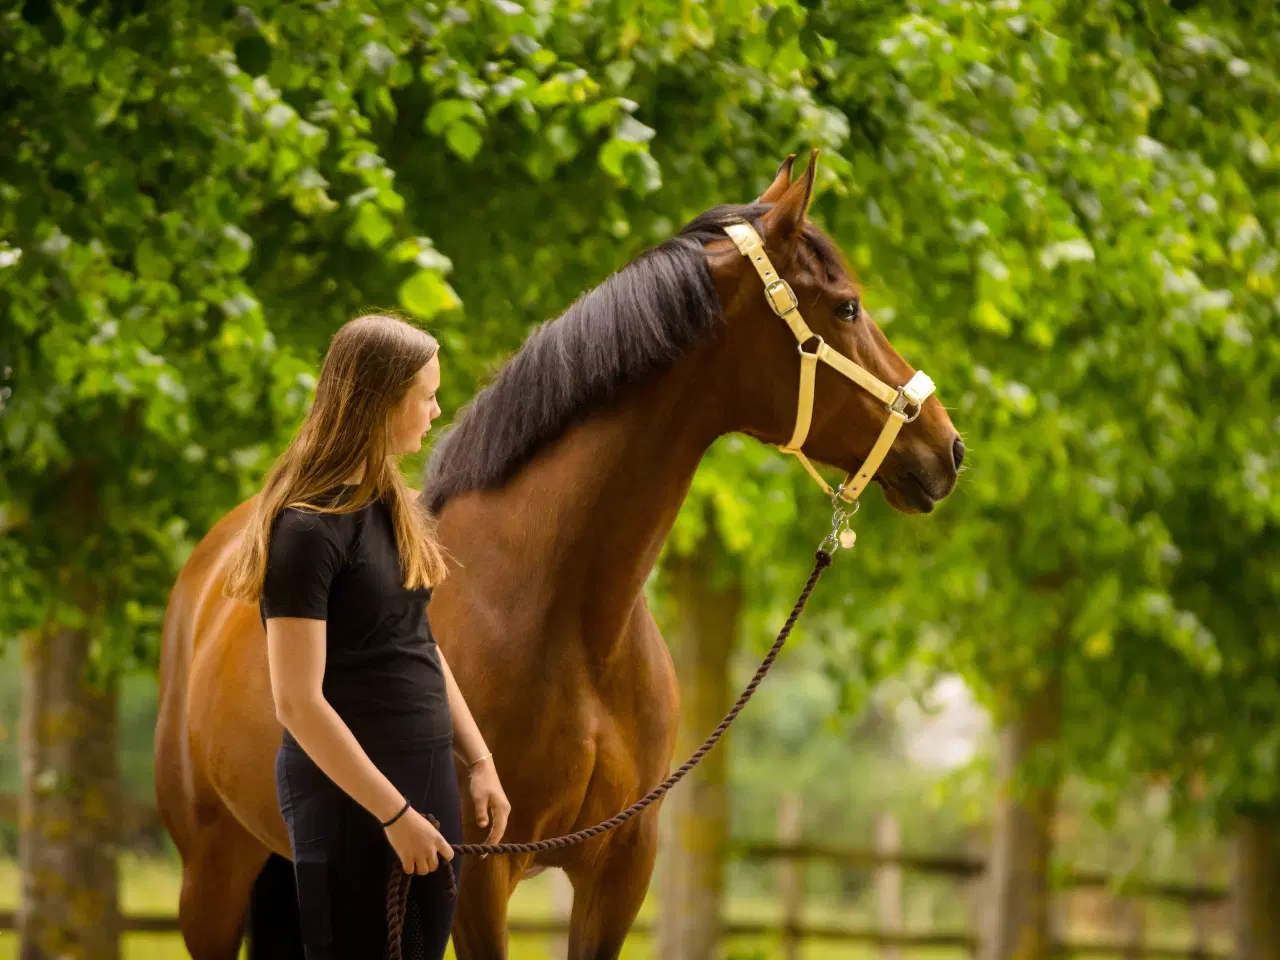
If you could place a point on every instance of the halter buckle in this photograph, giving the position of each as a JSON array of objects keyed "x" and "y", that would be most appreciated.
[{"x": 781, "y": 297}]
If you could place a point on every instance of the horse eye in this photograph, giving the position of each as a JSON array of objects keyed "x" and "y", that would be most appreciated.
[{"x": 850, "y": 310}]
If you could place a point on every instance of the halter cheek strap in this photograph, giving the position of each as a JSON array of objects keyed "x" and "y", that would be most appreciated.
[{"x": 903, "y": 403}]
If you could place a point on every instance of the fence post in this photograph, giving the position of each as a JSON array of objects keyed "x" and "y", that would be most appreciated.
[
  {"x": 1059, "y": 909},
  {"x": 790, "y": 830},
  {"x": 975, "y": 891},
  {"x": 889, "y": 881},
  {"x": 1135, "y": 916},
  {"x": 1199, "y": 911}
]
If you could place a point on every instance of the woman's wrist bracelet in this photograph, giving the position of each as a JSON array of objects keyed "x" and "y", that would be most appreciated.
[
  {"x": 403, "y": 811},
  {"x": 479, "y": 760}
]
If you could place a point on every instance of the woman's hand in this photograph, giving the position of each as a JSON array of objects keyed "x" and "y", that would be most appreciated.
[
  {"x": 491, "y": 804},
  {"x": 417, "y": 843}
]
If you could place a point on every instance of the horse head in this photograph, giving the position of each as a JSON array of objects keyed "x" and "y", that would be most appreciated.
[{"x": 790, "y": 301}]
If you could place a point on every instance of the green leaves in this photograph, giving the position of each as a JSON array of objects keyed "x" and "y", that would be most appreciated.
[
  {"x": 630, "y": 162},
  {"x": 464, "y": 140},
  {"x": 625, "y": 156},
  {"x": 457, "y": 120},
  {"x": 371, "y": 226},
  {"x": 425, "y": 294},
  {"x": 445, "y": 113},
  {"x": 151, "y": 263},
  {"x": 235, "y": 250},
  {"x": 171, "y": 255},
  {"x": 1096, "y": 178}
]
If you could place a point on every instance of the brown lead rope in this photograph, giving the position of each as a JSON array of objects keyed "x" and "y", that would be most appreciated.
[
  {"x": 398, "y": 888},
  {"x": 398, "y": 901}
]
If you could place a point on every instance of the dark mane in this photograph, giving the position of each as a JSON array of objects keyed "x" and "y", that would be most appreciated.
[
  {"x": 638, "y": 320},
  {"x": 824, "y": 249}
]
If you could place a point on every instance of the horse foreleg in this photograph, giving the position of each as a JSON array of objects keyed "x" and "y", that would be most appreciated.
[
  {"x": 480, "y": 924},
  {"x": 220, "y": 862},
  {"x": 608, "y": 890}
]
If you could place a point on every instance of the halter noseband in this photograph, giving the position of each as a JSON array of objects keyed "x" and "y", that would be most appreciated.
[{"x": 903, "y": 403}]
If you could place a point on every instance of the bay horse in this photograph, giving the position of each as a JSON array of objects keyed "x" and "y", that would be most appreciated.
[{"x": 554, "y": 491}]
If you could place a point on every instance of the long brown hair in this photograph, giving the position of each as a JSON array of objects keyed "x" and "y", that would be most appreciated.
[{"x": 369, "y": 367}]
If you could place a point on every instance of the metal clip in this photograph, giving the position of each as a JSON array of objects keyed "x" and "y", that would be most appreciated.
[
  {"x": 842, "y": 534},
  {"x": 838, "y": 503}
]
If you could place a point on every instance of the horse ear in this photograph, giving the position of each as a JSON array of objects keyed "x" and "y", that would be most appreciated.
[
  {"x": 788, "y": 213},
  {"x": 780, "y": 182}
]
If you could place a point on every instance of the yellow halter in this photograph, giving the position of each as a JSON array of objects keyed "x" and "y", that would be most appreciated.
[{"x": 903, "y": 403}]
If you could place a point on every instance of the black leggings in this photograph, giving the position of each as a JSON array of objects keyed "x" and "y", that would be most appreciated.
[{"x": 342, "y": 860}]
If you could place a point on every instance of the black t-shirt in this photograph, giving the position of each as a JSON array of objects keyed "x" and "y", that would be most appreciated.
[{"x": 382, "y": 669}]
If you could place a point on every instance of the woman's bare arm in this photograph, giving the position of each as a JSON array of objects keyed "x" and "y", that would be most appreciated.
[
  {"x": 296, "y": 654},
  {"x": 492, "y": 809},
  {"x": 468, "y": 742}
]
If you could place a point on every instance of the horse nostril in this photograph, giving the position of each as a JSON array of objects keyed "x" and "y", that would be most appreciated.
[{"x": 957, "y": 451}]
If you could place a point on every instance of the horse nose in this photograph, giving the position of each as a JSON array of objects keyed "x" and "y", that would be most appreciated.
[{"x": 957, "y": 451}]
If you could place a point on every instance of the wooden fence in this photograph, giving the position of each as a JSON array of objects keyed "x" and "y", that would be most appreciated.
[
  {"x": 889, "y": 867},
  {"x": 888, "y": 864}
]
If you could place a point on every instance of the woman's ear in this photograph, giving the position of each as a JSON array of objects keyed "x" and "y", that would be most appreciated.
[{"x": 787, "y": 217}]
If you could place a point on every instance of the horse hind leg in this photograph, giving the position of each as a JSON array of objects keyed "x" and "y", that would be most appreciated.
[
  {"x": 608, "y": 891},
  {"x": 220, "y": 864}
]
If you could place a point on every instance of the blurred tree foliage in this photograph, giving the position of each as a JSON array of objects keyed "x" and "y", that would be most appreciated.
[
  {"x": 1070, "y": 213},
  {"x": 195, "y": 196},
  {"x": 1066, "y": 212}
]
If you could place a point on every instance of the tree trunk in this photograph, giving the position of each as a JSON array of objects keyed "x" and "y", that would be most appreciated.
[
  {"x": 705, "y": 616},
  {"x": 1255, "y": 883},
  {"x": 1018, "y": 925},
  {"x": 70, "y": 804}
]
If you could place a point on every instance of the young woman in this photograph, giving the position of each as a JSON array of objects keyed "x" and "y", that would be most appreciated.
[{"x": 341, "y": 557}]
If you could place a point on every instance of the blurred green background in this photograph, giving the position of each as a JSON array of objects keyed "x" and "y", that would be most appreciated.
[{"x": 1066, "y": 212}]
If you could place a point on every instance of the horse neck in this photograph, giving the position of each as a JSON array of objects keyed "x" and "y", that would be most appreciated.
[{"x": 590, "y": 514}]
